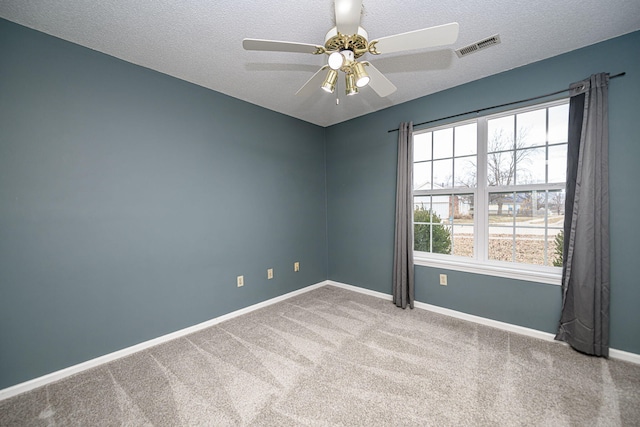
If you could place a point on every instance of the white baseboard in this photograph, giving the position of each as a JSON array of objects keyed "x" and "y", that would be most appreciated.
[
  {"x": 453, "y": 313},
  {"x": 66, "y": 372},
  {"x": 487, "y": 322},
  {"x": 624, "y": 355},
  {"x": 71, "y": 370},
  {"x": 360, "y": 290},
  {"x": 613, "y": 353}
]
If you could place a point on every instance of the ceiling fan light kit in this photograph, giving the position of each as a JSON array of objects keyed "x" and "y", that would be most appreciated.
[
  {"x": 362, "y": 78},
  {"x": 329, "y": 84},
  {"x": 348, "y": 41},
  {"x": 352, "y": 89}
]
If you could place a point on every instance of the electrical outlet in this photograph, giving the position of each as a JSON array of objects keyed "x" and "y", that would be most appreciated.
[
  {"x": 296, "y": 266},
  {"x": 270, "y": 273},
  {"x": 240, "y": 281},
  {"x": 443, "y": 279}
]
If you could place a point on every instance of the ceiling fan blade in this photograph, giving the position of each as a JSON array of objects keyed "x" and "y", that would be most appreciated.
[
  {"x": 313, "y": 83},
  {"x": 278, "y": 46},
  {"x": 419, "y": 39},
  {"x": 348, "y": 16},
  {"x": 379, "y": 83}
]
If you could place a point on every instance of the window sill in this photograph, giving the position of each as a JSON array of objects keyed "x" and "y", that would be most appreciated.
[{"x": 541, "y": 275}]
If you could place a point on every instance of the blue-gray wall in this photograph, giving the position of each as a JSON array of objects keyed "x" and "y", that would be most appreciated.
[
  {"x": 130, "y": 201},
  {"x": 361, "y": 167}
]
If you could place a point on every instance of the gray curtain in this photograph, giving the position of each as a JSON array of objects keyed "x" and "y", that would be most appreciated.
[
  {"x": 403, "y": 293},
  {"x": 584, "y": 322}
]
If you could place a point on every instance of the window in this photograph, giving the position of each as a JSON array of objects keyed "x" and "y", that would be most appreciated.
[{"x": 489, "y": 193}]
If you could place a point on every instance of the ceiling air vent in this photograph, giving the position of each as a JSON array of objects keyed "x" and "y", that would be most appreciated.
[{"x": 482, "y": 44}]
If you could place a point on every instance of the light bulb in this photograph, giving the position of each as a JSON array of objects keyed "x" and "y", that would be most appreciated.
[
  {"x": 336, "y": 60},
  {"x": 362, "y": 78}
]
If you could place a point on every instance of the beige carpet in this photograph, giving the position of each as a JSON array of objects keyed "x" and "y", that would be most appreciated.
[{"x": 335, "y": 357}]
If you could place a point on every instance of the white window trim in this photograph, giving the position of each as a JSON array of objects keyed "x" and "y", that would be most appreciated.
[
  {"x": 524, "y": 272},
  {"x": 477, "y": 265}
]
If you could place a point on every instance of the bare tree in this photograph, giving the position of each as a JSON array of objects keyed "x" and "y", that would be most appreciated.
[
  {"x": 556, "y": 200},
  {"x": 503, "y": 156}
]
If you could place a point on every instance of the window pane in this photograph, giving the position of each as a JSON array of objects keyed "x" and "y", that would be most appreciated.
[
  {"x": 500, "y": 134},
  {"x": 421, "y": 237},
  {"x": 422, "y": 147},
  {"x": 555, "y": 243},
  {"x": 441, "y": 231},
  {"x": 462, "y": 206},
  {"x": 530, "y": 166},
  {"x": 555, "y": 222},
  {"x": 555, "y": 209},
  {"x": 466, "y": 140},
  {"x": 558, "y": 124},
  {"x": 500, "y": 168},
  {"x": 422, "y": 176},
  {"x": 430, "y": 233},
  {"x": 501, "y": 208},
  {"x": 462, "y": 243},
  {"x": 441, "y": 208},
  {"x": 558, "y": 163},
  {"x": 443, "y": 143},
  {"x": 465, "y": 171},
  {"x": 538, "y": 208},
  {"x": 421, "y": 209},
  {"x": 463, "y": 231},
  {"x": 530, "y": 247},
  {"x": 422, "y": 226},
  {"x": 524, "y": 205},
  {"x": 441, "y": 239},
  {"x": 501, "y": 244},
  {"x": 443, "y": 173},
  {"x": 532, "y": 128}
]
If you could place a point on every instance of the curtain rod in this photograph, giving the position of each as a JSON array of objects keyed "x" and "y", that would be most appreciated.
[{"x": 501, "y": 105}]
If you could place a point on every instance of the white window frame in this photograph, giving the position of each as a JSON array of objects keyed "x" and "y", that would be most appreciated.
[{"x": 480, "y": 263}]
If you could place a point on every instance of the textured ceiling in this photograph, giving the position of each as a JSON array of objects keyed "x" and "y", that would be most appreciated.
[{"x": 201, "y": 42}]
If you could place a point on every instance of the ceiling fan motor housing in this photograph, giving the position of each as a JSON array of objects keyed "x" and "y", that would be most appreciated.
[{"x": 357, "y": 43}]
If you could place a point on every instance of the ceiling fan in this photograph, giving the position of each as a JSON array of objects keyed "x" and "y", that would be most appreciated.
[{"x": 347, "y": 42}]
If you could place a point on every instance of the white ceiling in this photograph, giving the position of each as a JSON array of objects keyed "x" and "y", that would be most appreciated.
[{"x": 201, "y": 42}]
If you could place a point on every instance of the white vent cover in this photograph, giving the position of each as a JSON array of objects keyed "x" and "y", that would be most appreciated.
[{"x": 474, "y": 47}]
